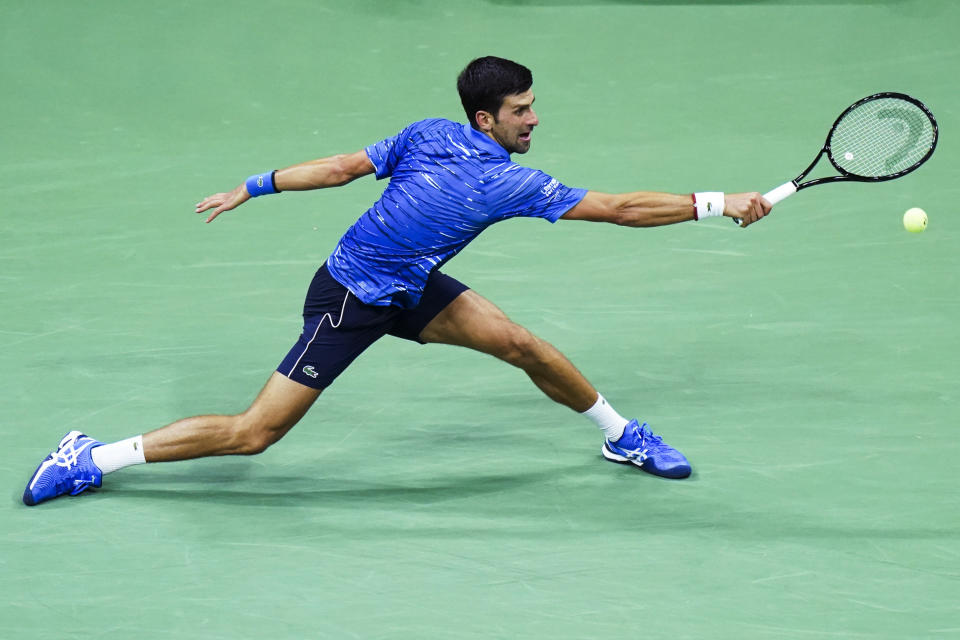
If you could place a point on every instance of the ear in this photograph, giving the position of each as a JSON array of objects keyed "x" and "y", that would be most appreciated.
[{"x": 485, "y": 120}]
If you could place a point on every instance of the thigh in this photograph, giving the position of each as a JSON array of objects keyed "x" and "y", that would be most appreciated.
[
  {"x": 440, "y": 291},
  {"x": 471, "y": 321},
  {"x": 337, "y": 328}
]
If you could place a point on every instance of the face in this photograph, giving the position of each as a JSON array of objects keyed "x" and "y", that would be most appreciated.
[{"x": 513, "y": 123}]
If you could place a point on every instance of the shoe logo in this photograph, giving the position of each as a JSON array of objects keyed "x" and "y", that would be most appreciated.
[
  {"x": 92, "y": 480},
  {"x": 310, "y": 371},
  {"x": 68, "y": 455}
]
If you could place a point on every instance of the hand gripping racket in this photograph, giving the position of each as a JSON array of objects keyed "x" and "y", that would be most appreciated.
[{"x": 881, "y": 137}]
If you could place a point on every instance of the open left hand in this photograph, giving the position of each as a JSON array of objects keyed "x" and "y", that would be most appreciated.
[{"x": 221, "y": 202}]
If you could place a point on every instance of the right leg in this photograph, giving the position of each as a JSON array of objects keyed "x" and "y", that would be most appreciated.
[{"x": 278, "y": 407}]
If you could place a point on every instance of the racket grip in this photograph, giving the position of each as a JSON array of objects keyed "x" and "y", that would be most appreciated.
[{"x": 782, "y": 192}]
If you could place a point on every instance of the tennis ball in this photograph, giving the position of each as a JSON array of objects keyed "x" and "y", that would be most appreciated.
[{"x": 915, "y": 220}]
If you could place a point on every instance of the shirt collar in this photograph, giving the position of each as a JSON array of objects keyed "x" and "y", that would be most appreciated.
[{"x": 485, "y": 142}]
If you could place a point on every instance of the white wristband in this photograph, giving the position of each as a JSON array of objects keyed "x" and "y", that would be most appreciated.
[{"x": 708, "y": 204}]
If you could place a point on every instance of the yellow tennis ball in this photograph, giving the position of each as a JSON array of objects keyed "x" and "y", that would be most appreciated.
[{"x": 915, "y": 220}]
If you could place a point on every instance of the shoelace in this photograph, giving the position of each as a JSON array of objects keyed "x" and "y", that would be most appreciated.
[
  {"x": 648, "y": 439},
  {"x": 648, "y": 442},
  {"x": 640, "y": 452}
]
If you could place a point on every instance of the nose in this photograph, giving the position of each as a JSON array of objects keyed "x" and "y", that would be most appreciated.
[{"x": 533, "y": 119}]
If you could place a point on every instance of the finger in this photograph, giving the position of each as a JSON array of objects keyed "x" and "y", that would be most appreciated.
[
  {"x": 744, "y": 219},
  {"x": 753, "y": 205},
  {"x": 215, "y": 199},
  {"x": 215, "y": 213},
  {"x": 208, "y": 203}
]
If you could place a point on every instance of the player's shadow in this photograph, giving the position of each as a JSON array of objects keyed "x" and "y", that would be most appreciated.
[{"x": 230, "y": 484}]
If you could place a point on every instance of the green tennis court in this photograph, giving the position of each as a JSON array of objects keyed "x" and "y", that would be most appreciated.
[{"x": 807, "y": 366}]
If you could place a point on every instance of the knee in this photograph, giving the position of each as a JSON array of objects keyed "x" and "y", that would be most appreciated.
[
  {"x": 520, "y": 348},
  {"x": 251, "y": 436}
]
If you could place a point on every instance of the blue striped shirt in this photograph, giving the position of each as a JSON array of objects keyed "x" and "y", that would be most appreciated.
[{"x": 448, "y": 182}]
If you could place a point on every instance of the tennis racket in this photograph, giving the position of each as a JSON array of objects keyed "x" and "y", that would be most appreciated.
[{"x": 878, "y": 138}]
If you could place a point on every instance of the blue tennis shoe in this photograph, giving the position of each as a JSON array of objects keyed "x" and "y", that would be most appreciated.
[
  {"x": 69, "y": 469},
  {"x": 639, "y": 446}
]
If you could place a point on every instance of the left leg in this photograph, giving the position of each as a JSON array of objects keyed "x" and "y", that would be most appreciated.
[{"x": 473, "y": 321}]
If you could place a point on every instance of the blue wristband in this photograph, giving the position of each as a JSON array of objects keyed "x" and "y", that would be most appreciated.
[{"x": 261, "y": 184}]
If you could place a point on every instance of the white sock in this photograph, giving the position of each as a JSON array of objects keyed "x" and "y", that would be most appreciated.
[
  {"x": 609, "y": 421},
  {"x": 111, "y": 457}
]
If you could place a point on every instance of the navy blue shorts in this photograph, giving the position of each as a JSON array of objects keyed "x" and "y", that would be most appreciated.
[{"x": 337, "y": 327}]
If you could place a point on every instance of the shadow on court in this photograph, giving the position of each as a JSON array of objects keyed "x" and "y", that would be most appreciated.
[
  {"x": 287, "y": 491},
  {"x": 520, "y": 502}
]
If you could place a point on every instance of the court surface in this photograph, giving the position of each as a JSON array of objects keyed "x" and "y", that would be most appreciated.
[{"x": 807, "y": 366}]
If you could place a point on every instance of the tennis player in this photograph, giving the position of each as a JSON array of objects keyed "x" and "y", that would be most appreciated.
[{"x": 447, "y": 183}]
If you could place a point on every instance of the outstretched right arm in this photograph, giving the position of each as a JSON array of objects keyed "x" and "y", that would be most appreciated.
[
  {"x": 333, "y": 171},
  {"x": 653, "y": 209}
]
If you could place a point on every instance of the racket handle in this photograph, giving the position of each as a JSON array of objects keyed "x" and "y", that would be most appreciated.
[{"x": 782, "y": 192}]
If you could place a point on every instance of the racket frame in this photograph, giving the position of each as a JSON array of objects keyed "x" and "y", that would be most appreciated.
[
  {"x": 789, "y": 188},
  {"x": 846, "y": 175}
]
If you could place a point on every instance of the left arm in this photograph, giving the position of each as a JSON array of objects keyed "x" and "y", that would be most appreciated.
[
  {"x": 333, "y": 171},
  {"x": 654, "y": 209}
]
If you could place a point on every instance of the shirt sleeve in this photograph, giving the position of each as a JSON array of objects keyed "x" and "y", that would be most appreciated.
[
  {"x": 532, "y": 193},
  {"x": 387, "y": 153}
]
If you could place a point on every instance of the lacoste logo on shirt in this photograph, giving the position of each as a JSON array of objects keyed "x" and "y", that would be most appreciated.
[{"x": 310, "y": 371}]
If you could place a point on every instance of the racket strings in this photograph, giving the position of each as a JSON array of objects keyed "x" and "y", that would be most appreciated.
[{"x": 881, "y": 138}]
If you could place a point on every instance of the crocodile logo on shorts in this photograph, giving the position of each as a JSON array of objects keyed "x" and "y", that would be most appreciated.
[{"x": 310, "y": 371}]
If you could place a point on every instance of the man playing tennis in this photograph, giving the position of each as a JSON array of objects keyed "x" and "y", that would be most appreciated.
[{"x": 448, "y": 182}]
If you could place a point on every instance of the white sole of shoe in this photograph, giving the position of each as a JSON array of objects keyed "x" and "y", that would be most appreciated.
[{"x": 615, "y": 457}]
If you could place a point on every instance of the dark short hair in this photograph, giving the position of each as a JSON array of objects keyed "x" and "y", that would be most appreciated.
[{"x": 485, "y": 82}]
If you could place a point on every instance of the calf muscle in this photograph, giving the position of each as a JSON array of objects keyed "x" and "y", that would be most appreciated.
[{"x": 278, "y": 407}]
